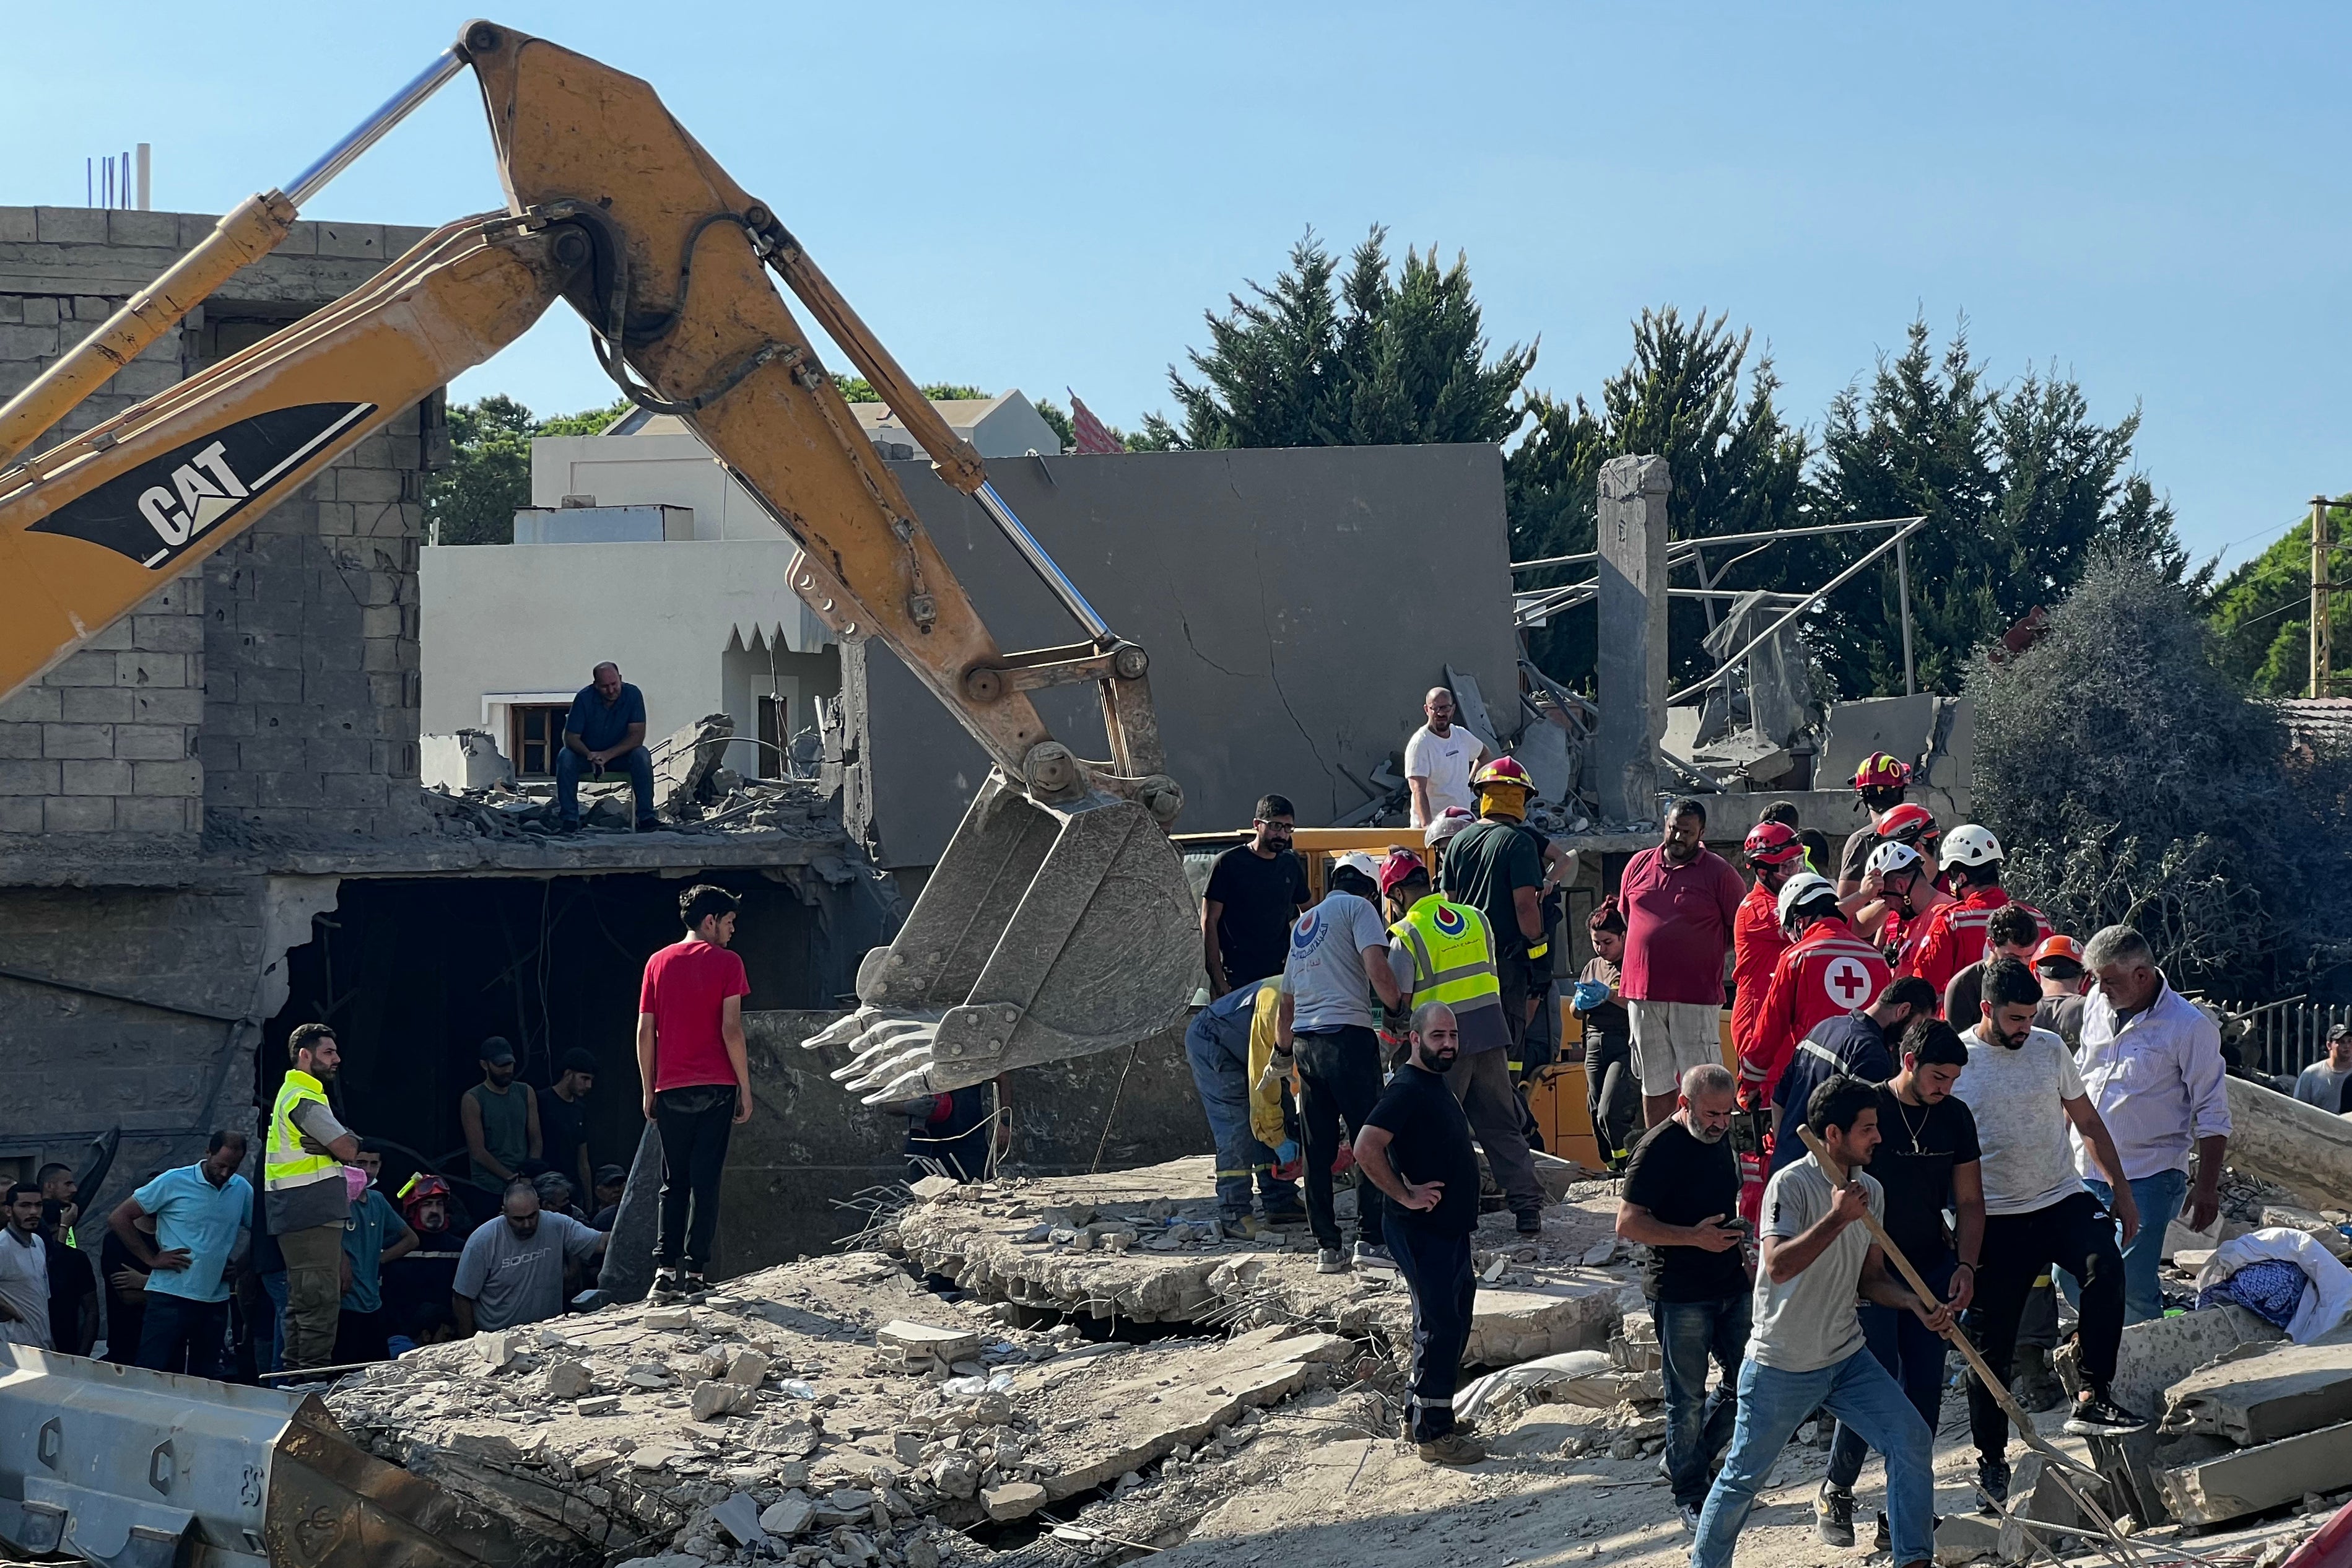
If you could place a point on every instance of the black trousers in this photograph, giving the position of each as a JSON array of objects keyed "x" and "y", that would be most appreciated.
[
  {"x": 1612, "y": 1094},
  {"x": 1438, "y": 1270},
  {"x": 181, "y": 1335},
  {"x": 694, "y": 1151},
  {"x": 1338, "y": 1080},
  {"x": 2077, "y": 1235}
]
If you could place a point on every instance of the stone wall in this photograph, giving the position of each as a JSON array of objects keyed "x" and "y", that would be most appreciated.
[{"x": 272, "y": 690}]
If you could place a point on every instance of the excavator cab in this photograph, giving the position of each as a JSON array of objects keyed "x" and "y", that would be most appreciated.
[{"x": 1058, "y": 922}]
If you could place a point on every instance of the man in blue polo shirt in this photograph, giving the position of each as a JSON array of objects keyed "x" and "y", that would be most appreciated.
[
  {"x": 199, "y": 1211},
  {"x": 606, "y": 729}
]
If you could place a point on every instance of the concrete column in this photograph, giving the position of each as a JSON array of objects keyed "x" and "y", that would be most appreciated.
[{"x": 1632, "y": 662}]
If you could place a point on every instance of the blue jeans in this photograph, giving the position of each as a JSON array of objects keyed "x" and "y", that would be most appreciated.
[
  {"x": 1914, "y": 1352},
  {"x": 270, "y": 1339},
  {"x": 182, "y": 1335},
  {"x": 1698, "y": 1425},
  {"x": 570, "y": 765},
  {"x": 1222, "y": 1079},
  {"x": 2159, "y": 1199},
  {"x": 1774, "y": 1403}
]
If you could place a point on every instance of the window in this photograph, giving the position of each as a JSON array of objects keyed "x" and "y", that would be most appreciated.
[
  {"x": 534, "y": 736},
  {"x": 775, "y": 734}
]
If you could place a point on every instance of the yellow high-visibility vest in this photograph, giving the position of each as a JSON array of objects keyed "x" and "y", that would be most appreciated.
[
  {"x": 285, "y": 1165},
  {"x": 1453, "y": 956}
]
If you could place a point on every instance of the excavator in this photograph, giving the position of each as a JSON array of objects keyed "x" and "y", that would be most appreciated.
[{"x": 1057, "y": 923}]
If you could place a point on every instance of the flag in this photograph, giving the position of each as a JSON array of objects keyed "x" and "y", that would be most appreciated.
[{"x": 1093, "y": 435}]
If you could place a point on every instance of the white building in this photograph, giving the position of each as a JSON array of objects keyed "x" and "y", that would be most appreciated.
[{"x": 638, "y": 547}]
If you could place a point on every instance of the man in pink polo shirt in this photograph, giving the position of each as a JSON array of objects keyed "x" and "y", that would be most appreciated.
[{"x": 1680, "y": 901}]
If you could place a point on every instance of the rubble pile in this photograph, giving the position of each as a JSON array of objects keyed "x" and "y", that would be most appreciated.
[{"x": 504, "y": 810}]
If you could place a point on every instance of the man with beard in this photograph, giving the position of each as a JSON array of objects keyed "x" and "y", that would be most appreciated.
[
  {"x": 1680, "y": 1201},
  {"x": 1926, "y": 1154},
  {"x": 511, "y": 1272},
  {"x": 1808, "y": 1351},
  {"x": 2037, "y": 1210},
  {"x": 1415, "y": 1147},
  {"x": 1681, "y": 902},
  {"x": 305, "y": 1198},
  {"x": 1255, "y": 889},
  {"x": 502, "y": 1122}
]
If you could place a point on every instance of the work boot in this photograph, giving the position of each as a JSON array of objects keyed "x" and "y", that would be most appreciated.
[
  {"x": 1454, "y": 1448},
  {"x": 1993, "y": 1479},
  {"x": 2034, "y": 1386},
  {"x": 1834, "y": 1515},
  {"x": 1881, "y": 1539},
  {"x": 2097, "y": 1414},
  {"x": 1530, "y": 1222},
  {"x": 1330, "y": 1260}
]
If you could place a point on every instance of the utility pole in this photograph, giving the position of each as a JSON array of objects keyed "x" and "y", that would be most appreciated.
[{"x": 2323, "y": 660}]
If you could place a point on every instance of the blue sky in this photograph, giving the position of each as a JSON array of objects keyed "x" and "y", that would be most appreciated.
[{"x": 2151, "y": 197}]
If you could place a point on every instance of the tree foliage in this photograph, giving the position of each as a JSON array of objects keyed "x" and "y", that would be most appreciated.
[
  {"x": 2261, "y": 613},
  {"x": 474, "y": 499},
  {"x": 1737, "y": 468},
  {"x": 2130, "y": 779},
  {"x": 1365, "y": 358}
]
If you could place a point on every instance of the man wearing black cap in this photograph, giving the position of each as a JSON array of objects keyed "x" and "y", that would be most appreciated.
[
  {"x": 562, "y": 1122},
  {"x": 500, "y": 1119}
]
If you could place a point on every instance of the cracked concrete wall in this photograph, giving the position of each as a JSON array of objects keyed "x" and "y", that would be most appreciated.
[{"x": 1296, "y": 603}]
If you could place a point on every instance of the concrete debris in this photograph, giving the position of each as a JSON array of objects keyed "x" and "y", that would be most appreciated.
[
  {"x": 2251, "y": 1479},
  {"x": 525, "y": 811},
  {"x": 570, "y": 1380},
  {"x": 2300, "y": 1147},
  {"x": 738, "y": 1516},
  {"x": 920, "y": 1344},
  {"x": 684, "y": 763},
  {"x": 788, "y": 1515},
  {"x": 2251, "y": 1399}
]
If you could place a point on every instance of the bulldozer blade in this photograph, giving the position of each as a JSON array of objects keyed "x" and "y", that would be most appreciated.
[{"x": 1046, "y": 931}]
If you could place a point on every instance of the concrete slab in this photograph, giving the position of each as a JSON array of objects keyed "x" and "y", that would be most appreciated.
[
  {"x": 2156, "y": 1355},
  {"x": 2266, "y": 1396},
  {"x": 2301, "y": 1147},
  {"x": 2252, "y": 1479}
]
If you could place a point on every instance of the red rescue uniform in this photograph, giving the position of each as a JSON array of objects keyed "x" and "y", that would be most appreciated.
[
  {"x": 1954, "y": 936},
  {"x": 1756, "y": 945},
  {"x": 1828, "y": 972}
]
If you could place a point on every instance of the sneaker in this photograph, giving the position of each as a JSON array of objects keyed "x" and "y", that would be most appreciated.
[
  {"x": 1330, "y": 1260},
  {"x": 1688, "y": 1513},
  {"x": 692, "y": 1283},
  {"x": 668, "y": 1284},
  {"x": 2097, "y": 1414},
  {"x": 2034, "y": 1386},
  {"x": 1993, "y": 1479},
  {"x": 1881, "y": 1538},
  {"x": 1369, "y": 1256},
  {"x": 1530, "y": 1222},
  {"x": 1454, "y": 1448},
  {"x": 1834, "y": 1515}
]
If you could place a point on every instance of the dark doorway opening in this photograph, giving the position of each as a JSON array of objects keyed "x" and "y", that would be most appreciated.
[{"x": 414, "y": 974}]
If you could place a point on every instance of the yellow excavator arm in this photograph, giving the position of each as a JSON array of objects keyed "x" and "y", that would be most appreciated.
[{"x": 1058, "y": 922}]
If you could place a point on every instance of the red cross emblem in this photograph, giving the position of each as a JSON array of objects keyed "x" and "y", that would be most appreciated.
[{"x": 1848, "y": 982}]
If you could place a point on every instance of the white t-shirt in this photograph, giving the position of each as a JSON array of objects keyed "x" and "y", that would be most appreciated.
[
  {"x": 1323, "y": 974},
  {"x": 2028, "y": 1163},
  {"x": 1446, "y": 762},
  {"x": 1807, "y": 1321},
  {"x": 24, "y": 1286}
]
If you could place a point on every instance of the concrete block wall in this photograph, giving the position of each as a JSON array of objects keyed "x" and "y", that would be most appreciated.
[{"x": 274, "y": 687}]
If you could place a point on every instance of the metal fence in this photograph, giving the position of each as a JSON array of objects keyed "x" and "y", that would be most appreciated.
[{"x": 2287, "y": 1037}]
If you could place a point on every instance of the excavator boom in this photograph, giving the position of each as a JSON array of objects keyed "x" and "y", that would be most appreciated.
[{"x": 1058, "y": 920}]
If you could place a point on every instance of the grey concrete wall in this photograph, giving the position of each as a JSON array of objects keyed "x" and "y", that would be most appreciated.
[
  {"x": 273, "y": 688},
  {"x": 1296, "y": 602}
]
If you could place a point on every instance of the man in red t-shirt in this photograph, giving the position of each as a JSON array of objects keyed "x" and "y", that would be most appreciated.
[
  {"x": 1680, "y": 901},
  {"x": 697, "y": 1082}
]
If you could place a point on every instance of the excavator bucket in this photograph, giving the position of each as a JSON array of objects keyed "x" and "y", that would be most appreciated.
[{"x": 1046, "y": 931}]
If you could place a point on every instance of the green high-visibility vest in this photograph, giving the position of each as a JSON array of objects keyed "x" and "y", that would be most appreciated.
[{"x": 285, "y": 1165}]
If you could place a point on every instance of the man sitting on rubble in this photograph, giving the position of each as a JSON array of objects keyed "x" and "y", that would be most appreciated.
[
  {"x": 606, "y": 728},
  {"x": 1418, "y": 1130},
  {"x": 1680, "y": 1202},
  {"x": 511, "y": 1272},
  {"x": 1808, "y": 1350}
]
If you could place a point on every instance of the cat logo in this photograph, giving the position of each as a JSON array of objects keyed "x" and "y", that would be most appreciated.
[{"x": 158, "y": 510}]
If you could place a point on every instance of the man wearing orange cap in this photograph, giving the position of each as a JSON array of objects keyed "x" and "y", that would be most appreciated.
[{"x": 2058, "y": 965}]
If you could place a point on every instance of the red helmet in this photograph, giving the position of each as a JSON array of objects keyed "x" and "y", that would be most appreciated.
[
  {"x": 1908, "y": 824},
  {"x": 1773, "y": 844},
  {"x": 1880, "y": 771},
  {"x": 1503, "y": 771},
  {"x": 1401, "y": 867}
]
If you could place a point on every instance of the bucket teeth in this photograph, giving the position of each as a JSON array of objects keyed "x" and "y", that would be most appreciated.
[{"x": 891, "y": 1053}]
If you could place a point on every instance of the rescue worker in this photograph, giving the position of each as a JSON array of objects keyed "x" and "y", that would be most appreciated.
[
  {"x": 1441, "y": 952},
  {"x": 307, "y": 1196},
  {"x": 1774, "y": 853},
  {"x": 1827, "y": 973},
  {"x": 1954, "y": 938},
  {"x": 1879, "y": 784},
  {"x": 1217, "y": 1045},
  {"x": 1897, "y": 897},
  {"x": 1497, "y": 865}
]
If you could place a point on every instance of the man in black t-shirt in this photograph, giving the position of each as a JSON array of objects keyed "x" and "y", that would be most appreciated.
[
  {"x": 1927, "y": 1158},
  {"x": 1680, "y": 1199},
  {"x": 1415, "y": 1147},
  {"x": 1255, "y": 889}
]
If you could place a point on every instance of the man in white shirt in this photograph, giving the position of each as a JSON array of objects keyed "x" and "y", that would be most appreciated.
[
  {"x": 23, "y": 1271},
  {"x": 2037, "y": 1211},
  {"x": 2151, "y": 1062},
  {"x": 1440, "y": 759}
]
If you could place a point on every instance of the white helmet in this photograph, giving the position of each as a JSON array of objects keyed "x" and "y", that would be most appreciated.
[
  {"x": 1968, "y": 844},
  {"x": 1447, "y": 822},
  {"x": 1800, "y": 889},
  {"x": 1891, "y": 856},
  {"x": 1363, "y": 864}
]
